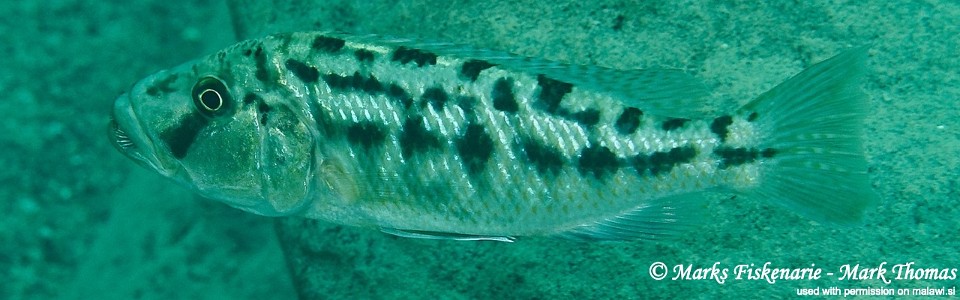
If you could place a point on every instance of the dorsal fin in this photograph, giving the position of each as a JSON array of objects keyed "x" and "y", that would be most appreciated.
[{"x": 661, "y": 92}]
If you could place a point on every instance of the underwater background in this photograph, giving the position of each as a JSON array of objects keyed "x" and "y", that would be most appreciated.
[{"x": 80, "y": 221}]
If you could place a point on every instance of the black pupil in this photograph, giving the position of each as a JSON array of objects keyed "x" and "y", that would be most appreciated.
[{"x": 211, "y": 99}]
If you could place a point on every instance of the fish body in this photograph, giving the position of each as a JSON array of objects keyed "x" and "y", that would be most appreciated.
[{"x": 437, "y": 140}]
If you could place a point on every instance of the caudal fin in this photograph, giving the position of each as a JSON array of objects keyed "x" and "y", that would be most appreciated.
[{"x": 813, "y": 122}]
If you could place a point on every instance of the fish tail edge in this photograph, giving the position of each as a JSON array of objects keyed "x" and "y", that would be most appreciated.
[{"x": 811, "y": 127}]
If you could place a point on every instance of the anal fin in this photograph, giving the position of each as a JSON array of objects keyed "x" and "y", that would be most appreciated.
[{"x": 660, "y": 219}]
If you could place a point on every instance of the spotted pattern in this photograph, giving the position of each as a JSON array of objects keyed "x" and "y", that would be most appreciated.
[
  {"x": 397, "y": 93},
  {"x": 327, "y": 44},
  {"x": 472, "y": 68},
  {"x": 306, "y": 73},
  {"x": 436, "y": 97},
  {"x": 356, "y": 81},
  {"x": 552, "y": 92},
  {"x": 662, "y": 162},
  {"x": 406, "y": 55},
  {"x": 589, "y": 148},
  {"x": 674, "y": 123},
  {"x": 415, "y": 138},
  {"x": 264, "y": 110},
  {"x": 587, "y": 118},
  {"x": 732, "y": 157},
  {"x": 250, "y": 98},
  {"x": 597, "y": 160},
  {"x": 503, "y": 97},
  {"x": 475, "y": 148},
  {"x": 629, "y": 121},
  {"x": 545, "y": 159},
  {"x": 364, "y": 55},
  {"x": 719, "y": 127},
  {"x": 432, "y": 138},
  {"x": 366, "y": 134},
  {"x": 262, "y": 73}
]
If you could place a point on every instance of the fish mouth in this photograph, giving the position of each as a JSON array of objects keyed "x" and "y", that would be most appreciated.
[
  {"x": 127, "y": 136},
  {"x": 119, "y": 138}
]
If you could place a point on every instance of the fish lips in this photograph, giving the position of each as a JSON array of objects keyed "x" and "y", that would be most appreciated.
[{"x": 127, "y": 135}]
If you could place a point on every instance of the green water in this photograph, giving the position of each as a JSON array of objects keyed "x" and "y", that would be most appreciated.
[{"x": 80, "y": 221}]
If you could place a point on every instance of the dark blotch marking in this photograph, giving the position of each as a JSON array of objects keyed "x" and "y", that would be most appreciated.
[
  {"x": 674, "y": 123},
  {"x": 369, "y": 84},
  {"x": 436, "y": 97},
  {"x": 327, "y": 44},
  {"x": 366, "y": 134},
  {"x": 768, "y": 153},
  {"x": 363, "y": 55},
  {"x": 250, "y": 98},
  {"x": 546, "y": 160},
  {"x": 260, "y": 60},
  {"x": 475, "y": 148},
  {"x": 356, "y": 81},
  {"x": 181, "y": 137},
  {"x": 629, "y": 121},
  {"x": 587, "y": 117},
  {"x": 503, "y": 97},
  {"x": 752, "y": 117},
  {"x": 472, "y": 68},
  {"x": 598, "y": 160},
  {"x": 306, "y": 73},
  {"x": 732, "y": 157},
  {"x": 405, "y": 55},
  {"x": 719, "y": 127},
  {"x": 415, "y": 138},
  {"x": 662, "y": 162},
  {"x": 552, "y": 92},
  {"x": 397, "y": 93},
  {"x": 264, "y": 110}
]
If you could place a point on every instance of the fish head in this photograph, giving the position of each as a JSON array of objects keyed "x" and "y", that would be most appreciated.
[{"x": 218, "y": 129}]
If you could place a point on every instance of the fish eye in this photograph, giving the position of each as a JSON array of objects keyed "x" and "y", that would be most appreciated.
[
  {"x": 210, "y": 96},
  {"x": 211, "y": 99}
]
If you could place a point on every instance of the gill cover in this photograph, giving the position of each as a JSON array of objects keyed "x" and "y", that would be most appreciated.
[
  {"x": 245, "y": 147},
  {"x": 255, "y": 154}
]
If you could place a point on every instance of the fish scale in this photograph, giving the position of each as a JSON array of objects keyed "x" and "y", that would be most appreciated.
[
  {"x": 576, "y": 141},
  {"x": 435, "y": 140}
]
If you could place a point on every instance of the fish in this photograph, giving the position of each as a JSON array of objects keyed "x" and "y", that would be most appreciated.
[{"x": 438, "y": 140}]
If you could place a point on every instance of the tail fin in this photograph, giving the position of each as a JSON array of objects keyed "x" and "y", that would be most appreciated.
[{"x": 813, "y": 122}]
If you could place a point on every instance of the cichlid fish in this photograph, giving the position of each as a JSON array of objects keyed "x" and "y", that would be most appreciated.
[{"x": 437, "y": 140}]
